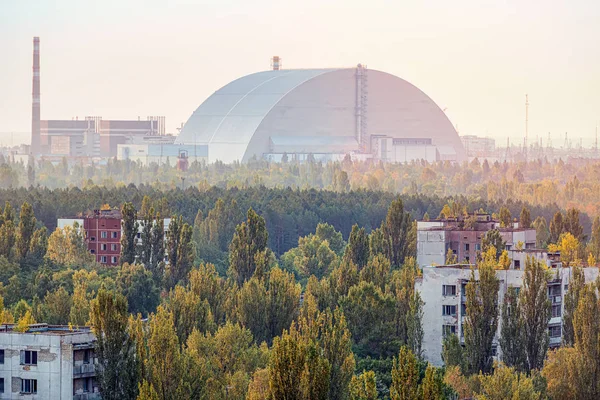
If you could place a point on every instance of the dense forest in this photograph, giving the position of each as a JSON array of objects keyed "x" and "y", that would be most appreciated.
[
  {"x": 273, "y": 293},
  {"x": 297, "y": 281}
]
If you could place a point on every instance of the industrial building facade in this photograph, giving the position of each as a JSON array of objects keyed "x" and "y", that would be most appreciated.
[
  {"x": 48, "y": 363},
  {"x": 326, "y": 113}
]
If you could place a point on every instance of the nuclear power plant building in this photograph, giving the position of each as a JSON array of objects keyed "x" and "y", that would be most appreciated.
[{"x": 321, "y": 113}]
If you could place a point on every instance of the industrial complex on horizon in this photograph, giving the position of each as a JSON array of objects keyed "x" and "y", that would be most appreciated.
[{"x": 295, "y": 114}]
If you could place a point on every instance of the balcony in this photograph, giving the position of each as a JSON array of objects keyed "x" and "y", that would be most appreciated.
[
  {"x": 555, "y": 341},
  {"x": 87, "y": 396},
  {"x": 84, "y": 370}
]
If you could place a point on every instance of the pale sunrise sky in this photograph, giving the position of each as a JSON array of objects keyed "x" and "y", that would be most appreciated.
[{"x": 127, "y": 58}]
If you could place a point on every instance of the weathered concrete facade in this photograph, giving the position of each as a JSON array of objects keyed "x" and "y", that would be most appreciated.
[
  {"x": 443, "y": 290},
  {"x": 48, "y": 362}
]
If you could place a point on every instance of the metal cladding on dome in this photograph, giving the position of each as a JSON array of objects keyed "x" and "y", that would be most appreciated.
[{"x": 321, "y": 111}]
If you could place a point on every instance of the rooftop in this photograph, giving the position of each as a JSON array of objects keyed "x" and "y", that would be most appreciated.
[{"x": 45, "y": 329}]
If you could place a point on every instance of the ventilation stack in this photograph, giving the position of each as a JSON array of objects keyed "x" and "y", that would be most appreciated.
[
  {"x": 276, "y": 63},
  {"x": 35, "y": 106}
]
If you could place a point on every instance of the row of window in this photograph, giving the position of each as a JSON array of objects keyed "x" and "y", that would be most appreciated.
[
  {"x": 28, "y": 386},
  {"x": 28, "y": 357},
  {"x": 104, "y": 235},
  {"x": 113, "y": 246},
  {"x": 104, "y": 259}
]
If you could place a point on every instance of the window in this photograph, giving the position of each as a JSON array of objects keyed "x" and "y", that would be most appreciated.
[
  {"x": 28, "y": 385},
  {"x": 478, "y": 247},
  {"x": 28, "y": 357},
  {"x": 113, "y": 247},
  {"x": 449, "y": 310},
  {"x": 103, "y": 260},
  {"x": 2, "y": 356},
  {"x": 93, "y": 251},
  {"x": 115, "y": 235},
  {"x": 86, "y": 385},
  {"x": 449, "y": 290},
  {"x": 103, "y": 246},
  {"x": 554, "y": 331},
  {"x": 93, "y": 238},
  {"x": 566, "y": 287},
  {"x": 86, "y": 356},
  {"x": 139, "y": 235},
  {"x": 448, "y": 330},
  {"x": 517, "y": 264},
  {"x": 103, "y": 234},
  {"x": 1, "y": 385},
  {"x": 113, "y": 260},
  {"x": 556, "y": 310},
  {"x": 467, "y": 247},
  {"x": 554, "y": 290}
]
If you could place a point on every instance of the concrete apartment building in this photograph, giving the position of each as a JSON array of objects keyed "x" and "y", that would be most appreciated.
[
  {"x": 443, "y": 290},
  {"x": 435, "y": 237},
  {"x": 47, "y": 363},
  {"x": 102, "y": 233}
]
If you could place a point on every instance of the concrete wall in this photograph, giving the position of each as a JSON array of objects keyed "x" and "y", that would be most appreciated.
[
  {"x": 54, "y": 369},
  {"x": 430, "y": 288},
  {"x": 431, "y": 247}
]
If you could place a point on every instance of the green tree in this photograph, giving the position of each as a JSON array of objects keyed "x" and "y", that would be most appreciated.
[
  {"x": 576, "y": 285},
  {"x": 453, "y": 352},
  {"x": 357, "y": 250},
  {"x": 164, "y": 363},
  {"x": 541, "y": 231},
  {"x": 433, "y": 384},
  {"x": 506, "y": 383},
  {"x": 117, "y": 371},
  {"x": 505, "y": 217},
  {"x": 525, "y": 218},
  {"x": 492, "y": 238},
  {"x": 57, "y": 307},
  {"x": 27, "y": 223},
  {"x": 129, "y": 228},
  {"x": 572, "y": 225},
  {"x": 147, "y": 392},
  {"x": 249, "y": 240},
  {"x": 556, "y": 227},
  {"x": 594, "y": 243},
  {"x": 157, "y": 245},
  {"x": 144, "y": 252},
  {"x": 536, "y": 308},
  {"x": 137, "y": 285},
  {"x": 512, "y": 332},
  {"x": 287, "y": 363},
  {"x": 481, "y": 319},
  {"x": 363, "y": 386},
  {"x": 180, "y": 263},
  {"x": 405, "y": 376},
  {"x": 396, "y": 228}
]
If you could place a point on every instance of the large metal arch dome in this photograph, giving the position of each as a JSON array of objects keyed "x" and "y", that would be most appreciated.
[{"x": 308, "y": 109}]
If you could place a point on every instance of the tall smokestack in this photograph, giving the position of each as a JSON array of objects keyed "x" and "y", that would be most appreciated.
[{"x": 35, "y": 106}]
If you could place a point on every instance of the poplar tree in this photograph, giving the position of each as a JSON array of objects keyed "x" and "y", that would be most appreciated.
[
  {"x": 536, "y": 309},
  {"x": 117, "y": 370},
  {"x": 512, "y": 332},
  {"x": 481, "y": 320},
  {"x": 576, "y": 285},
  {"x": 405, "y": 376},
  {"x": 525, "y": 218},
  {"x": 433, "y": 384},
  {"x": 157, "y": 245},
  {"x": 129, "y": 227},
  {"x": 27, "y": 223},
  {"x": 556, "y": 227},
  {"x": 357, "y": 250},
  {"x": 250, "y": 239},
  {"x": 363, "y": 386},
  {"x": 396, "y": 228},
  {"x": 505, "y": 217}
]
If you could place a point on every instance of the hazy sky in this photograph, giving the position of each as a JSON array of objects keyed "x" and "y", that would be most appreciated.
[{"x": 477, "y": 58}]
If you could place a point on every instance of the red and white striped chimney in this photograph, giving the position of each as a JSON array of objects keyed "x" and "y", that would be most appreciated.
[{"x": 35, "y": 106}]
